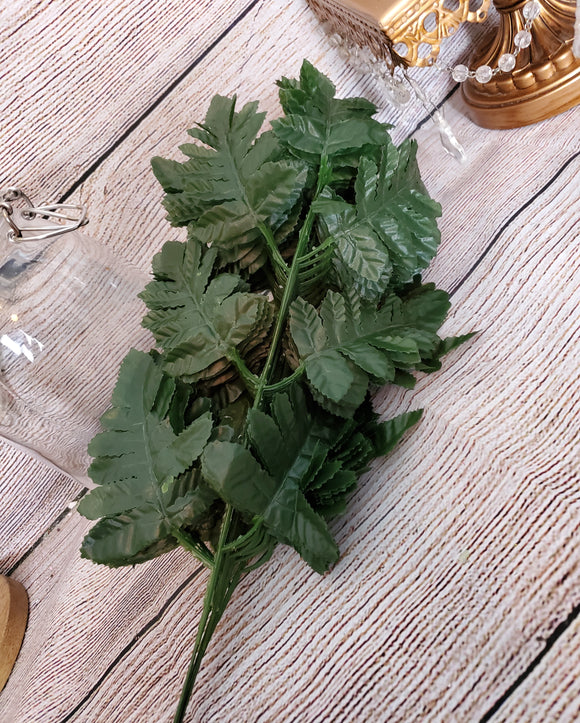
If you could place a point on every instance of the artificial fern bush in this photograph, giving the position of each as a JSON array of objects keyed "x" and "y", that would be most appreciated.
[{"x": 296, "y": 292}]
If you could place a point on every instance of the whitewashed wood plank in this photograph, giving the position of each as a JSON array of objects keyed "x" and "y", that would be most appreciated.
[
  {"x": 504, "y": 171},
  {"x": 552, "y": 690},
  {"x": 31, "y": 498},
  {"x": 325, "y": 654},
  {"x": 75, "y": 76},
  {"x": 521, "y": 408}
]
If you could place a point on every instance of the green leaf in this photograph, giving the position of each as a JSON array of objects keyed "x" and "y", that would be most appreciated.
[
  {"x": 139, "y": 463},
  {"x": 197, "y": 321},
  {"x": 349, "y": 343},
  {"x": 390, "y": 233},
  {"x": 445, "y": 345},
  {"x": 227, "y": 192},
  {"x": 319, "y": 125},
  {"x": 291, "y": 442},
  {"x": 116, "y": 541},
  {"x": 353, "y": 445},
  {"x": 360, "y": 256},
  {"x": 239, "y": 479},
  {"x": 387, "y": 434},
  {"x": 335, "y": 378},
  {"x": 427, "y": 306}
]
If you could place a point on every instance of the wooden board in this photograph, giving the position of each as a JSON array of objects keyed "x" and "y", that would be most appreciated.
[
  {"x": 77, "y": 76},
  {"x": 458, "y": 553},
  {"x": 550, "y": 690}
]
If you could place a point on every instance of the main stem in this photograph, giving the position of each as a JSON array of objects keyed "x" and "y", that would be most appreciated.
[
  {"x": 224, "y": 577},
  {"x": 227, "y": 569},
  {"x": 290, "y": 288}
]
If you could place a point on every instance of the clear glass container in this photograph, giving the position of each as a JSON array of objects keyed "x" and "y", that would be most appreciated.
[{"x": 69, "y": 313}]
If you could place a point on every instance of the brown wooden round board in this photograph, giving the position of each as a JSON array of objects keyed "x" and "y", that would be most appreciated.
[{"x": 13, "y": 619}]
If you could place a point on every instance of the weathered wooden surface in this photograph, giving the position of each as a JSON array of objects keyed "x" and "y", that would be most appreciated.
[
  {"x": 459, "y": 559},
  {"x": 551, "y": 691}
]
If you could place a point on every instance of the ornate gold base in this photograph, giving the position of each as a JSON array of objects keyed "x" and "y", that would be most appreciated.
[{"x": 546, "y": 80}]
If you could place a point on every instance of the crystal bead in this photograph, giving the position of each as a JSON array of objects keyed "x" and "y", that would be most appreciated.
[
  {"x": 507, "y": 62},
  {"x": 532, "y": 10},
  {"x": 381, "y": 72},
  {"x": 335, "y": 40},
  {"x": 523, "y": 39},
  {"x": 460, "y": 73},
  {"x": 401, "y": 94},
  {"x": 483, "y": 74},
  {"x": 366, "y": 55},
  {"x": 448, "y": 138},
  {"x": 354, "y": 58}
]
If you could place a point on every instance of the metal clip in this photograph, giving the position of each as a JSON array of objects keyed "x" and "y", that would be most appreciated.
[{"x": 69, "y": 216}]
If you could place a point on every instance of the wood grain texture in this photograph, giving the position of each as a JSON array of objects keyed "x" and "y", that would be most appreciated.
[
  {"x": 82, "y": 616},
  {"x": 31, "y": 499},
  {"x": 552, "y": 690},
  {"x": 75, "y": 76},
  {"x": 459, "y": 552}
]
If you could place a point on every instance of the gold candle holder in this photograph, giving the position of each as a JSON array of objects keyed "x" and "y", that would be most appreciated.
[{"x": 546, "y": 77}]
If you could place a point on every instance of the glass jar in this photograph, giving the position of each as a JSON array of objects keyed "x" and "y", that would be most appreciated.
[{"x": 69, "y": 313}]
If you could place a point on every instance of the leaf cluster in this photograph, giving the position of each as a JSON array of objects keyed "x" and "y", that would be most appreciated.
[{"x": 297, "y": 290}]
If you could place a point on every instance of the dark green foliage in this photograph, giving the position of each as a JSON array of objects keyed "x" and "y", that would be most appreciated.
[
  {"x": 296, "y": 290},
  {"x": 202, "y": 323},
  {"x": 390, "y": 233},
  {"x": 285, "y": 460},
  {"x": 348, "y": 343},
  {"x": 338, "y": 223},
  {"x": 227, "y": 190},
  {"x": 318, "y": 124},
  {"x": 140, "y": 463}
]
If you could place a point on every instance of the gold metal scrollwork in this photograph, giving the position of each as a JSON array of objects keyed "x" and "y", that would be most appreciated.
[
  {"x": 422, "y": 28},
  {"x": 413, "y": 31}
]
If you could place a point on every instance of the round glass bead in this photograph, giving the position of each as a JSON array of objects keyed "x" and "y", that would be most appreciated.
[
  {"x": 523, "y": 39},
  {"x": 460, "y": 73},
  {"x": 483, "y": 74},
  {"x": 532, "y": 10},
  {"x": 507, "y": 62},
  {"x": 401, "y": 94}
]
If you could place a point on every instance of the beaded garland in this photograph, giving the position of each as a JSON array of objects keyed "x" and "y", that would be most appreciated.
[
  {"x": 365, "y": 61},
  {"x": 507, "y": 62}
]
